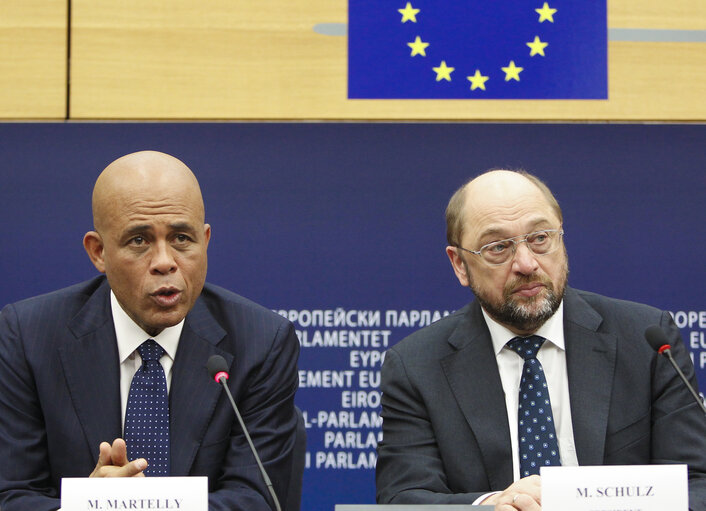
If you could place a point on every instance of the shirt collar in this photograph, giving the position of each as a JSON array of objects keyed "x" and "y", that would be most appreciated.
[
  {"x": 130, "y": 335},
  {"x": 552, "y": 330}
]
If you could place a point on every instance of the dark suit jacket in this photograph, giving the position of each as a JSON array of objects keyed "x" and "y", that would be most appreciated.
[
  {"x": 60, "y": 397},
  {"x": 446, "y": 437}
]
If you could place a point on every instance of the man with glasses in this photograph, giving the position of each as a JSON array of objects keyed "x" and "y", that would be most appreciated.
[{"x": 532, "y": 373}]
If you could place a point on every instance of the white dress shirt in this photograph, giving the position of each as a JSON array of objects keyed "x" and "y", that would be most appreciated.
[
  {"x": 552, "y": 356},
  {"x": 129, "y": 337}
]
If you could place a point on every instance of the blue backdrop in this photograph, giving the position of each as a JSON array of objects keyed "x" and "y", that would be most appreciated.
[{"x": 341, "y": 227}]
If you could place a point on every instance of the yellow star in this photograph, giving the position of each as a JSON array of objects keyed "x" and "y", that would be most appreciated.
[
  {"x": 477, "y": 80},
  {"x": 443, "y": 72},
  {"x": 418, "y": 47},
  {"x": 512, "y": 72},
  {"x": 408, "y": 13},
  {"x": 546, "y": 13},
  {"x": 537, "y": 47}
]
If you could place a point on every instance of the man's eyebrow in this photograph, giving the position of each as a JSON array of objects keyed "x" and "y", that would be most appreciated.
[
  {"x": 492, "y": 232},
  {"x": 182, "y": 226},
  {"x": 502, "y": 234},
  {"x": 137, "y": 229}
]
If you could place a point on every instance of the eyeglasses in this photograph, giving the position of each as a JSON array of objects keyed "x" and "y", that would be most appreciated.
[{"x": 500, "y": 252}]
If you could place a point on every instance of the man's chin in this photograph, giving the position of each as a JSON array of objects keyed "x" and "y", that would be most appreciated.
[
  {"x": 162, "y": 320},
  {"x": 522, "y": 315},
  {"x": 529, "y": 307}
]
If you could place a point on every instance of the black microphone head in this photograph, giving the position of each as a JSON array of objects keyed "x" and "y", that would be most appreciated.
[
  {"x": 216, "y": 364},
  {"x": 656, "y": 337}
]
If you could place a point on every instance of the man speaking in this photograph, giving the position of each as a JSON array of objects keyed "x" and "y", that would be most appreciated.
[
  {"x": 108, "y": 378},
  {"x": 532, "y": 373}
]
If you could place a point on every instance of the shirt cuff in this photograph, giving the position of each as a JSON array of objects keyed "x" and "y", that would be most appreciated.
[{"x": 483, "y": 497}]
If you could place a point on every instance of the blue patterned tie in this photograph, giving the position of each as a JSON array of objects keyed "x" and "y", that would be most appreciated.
[
  {"x": 536, "y": 433},
  {"x": 147, "y": 415}
]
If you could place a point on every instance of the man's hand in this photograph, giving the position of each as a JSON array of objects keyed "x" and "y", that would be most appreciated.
[
  {"x": 522, "y": 495},
  {"x": 112, "y": 461}
]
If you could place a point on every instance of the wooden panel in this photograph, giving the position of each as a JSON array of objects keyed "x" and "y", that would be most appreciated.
[
  {"x": 240, "y": 59},
  {"x": 674, "y": 14},
  {"x": 33, "y": 37}
]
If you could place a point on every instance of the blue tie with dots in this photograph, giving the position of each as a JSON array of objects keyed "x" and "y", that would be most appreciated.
[
  {"x": 147, "y": 415},
  {"x": 538, "y": 444}
]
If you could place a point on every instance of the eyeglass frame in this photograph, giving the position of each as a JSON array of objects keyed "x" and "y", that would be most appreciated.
[{"x": 514, "y": 245}]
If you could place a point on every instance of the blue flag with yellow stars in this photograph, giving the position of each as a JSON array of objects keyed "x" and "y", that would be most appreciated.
[{"x": 477, "y": 49}]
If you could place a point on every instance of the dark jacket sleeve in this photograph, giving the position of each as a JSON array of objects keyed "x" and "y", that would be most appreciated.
[
  {"x": 410, "y": 469},
  {"x": 267, "y": 408},
  {"x": 678, "y": 424},
  {"x": 25, "y": 479}
]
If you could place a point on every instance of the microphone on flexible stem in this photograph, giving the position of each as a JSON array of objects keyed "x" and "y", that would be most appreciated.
[
  {"x": 658, "y": 340},
  {"x": 218, "y": 369}
]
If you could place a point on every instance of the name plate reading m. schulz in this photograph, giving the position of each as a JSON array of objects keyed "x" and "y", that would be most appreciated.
[
  {"x": 136, "y": 493},
  {"x": 615, "y": 488}
]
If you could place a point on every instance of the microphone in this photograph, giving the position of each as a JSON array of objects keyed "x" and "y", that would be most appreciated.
[
  {"x": 218, "y": 369},
  {"x": 656, "y": 338}
]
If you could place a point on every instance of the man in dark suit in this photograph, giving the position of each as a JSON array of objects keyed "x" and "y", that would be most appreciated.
[
  {"x": 68, "y": 360},
  {"x": 455, "y": 394}
]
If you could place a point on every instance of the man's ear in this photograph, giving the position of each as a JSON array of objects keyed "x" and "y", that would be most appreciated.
[
  {"x": 207, "y": 233},
  {"x": 457, "y": 263},
  {"x": 93, "y": 243}
]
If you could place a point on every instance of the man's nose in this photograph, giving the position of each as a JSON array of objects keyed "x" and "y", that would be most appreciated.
[
  {"x": 524, "y": 261},
  {"x": 163, "y": 260}
]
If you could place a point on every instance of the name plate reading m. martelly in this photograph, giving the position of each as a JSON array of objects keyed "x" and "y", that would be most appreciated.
[
  {"x": 615, "y": 487},
  {"x": 136, "y": 493}
]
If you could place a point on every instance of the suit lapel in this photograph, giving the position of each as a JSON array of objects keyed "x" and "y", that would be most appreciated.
[
  {"x": 472, "y": 373},
  {"x": 475, "y": 382},
  {"x": 590, "y": 364},
  {"x": 92, "y": 370},
  {"x": 193, "y": 394}
]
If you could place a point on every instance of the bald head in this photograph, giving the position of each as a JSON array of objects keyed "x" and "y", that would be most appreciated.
[
  {"x": 494, "y": 215},
  {"x": 135, "y": 173},
  {"x": 499, "y": 186},
  {"x": 150, "y": 238}
]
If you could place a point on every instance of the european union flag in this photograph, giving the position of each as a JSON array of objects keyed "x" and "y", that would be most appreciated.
[{"x": 477, "y": 49}]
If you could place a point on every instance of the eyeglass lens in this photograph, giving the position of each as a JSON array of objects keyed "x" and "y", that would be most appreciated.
[{"x": 539, "y": 243}]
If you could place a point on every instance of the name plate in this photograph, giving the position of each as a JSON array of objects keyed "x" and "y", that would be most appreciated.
[
  {"x": 615, "y": 487},
  {"x": 154, "y": 493}
]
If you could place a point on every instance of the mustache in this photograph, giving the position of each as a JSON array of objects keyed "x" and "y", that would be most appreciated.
[{"x": 523, "y": 280}]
